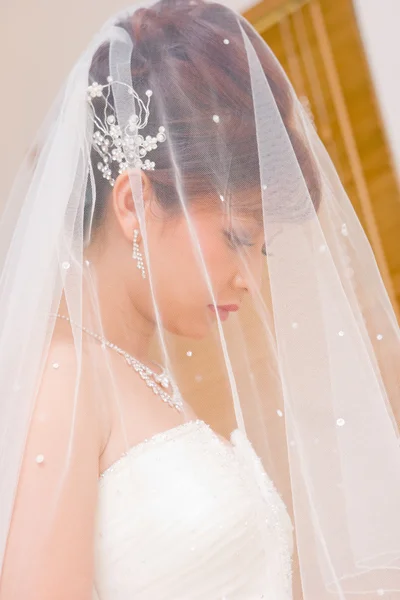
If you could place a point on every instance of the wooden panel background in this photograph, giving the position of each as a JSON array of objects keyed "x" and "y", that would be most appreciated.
[{"x": 319, "y": 45}]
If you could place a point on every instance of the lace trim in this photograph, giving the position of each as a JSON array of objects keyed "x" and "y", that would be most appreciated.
[{"x": 161, "y": 436}]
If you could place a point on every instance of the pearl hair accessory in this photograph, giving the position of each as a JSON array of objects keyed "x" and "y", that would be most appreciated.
[
  {"x": 159, "y": 383},
  {"x": 125, "y": 147},
  {"x": 137, "y": 255}
]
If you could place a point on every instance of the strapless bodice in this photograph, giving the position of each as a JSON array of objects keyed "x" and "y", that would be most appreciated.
[{"x": 186, "y": 516}]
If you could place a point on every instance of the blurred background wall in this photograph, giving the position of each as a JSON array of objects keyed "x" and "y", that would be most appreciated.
[
  {"x": 379, "y": 26},
  {"x": 343, "y": 57}
]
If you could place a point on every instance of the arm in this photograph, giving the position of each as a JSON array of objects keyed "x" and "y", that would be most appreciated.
[{"x": 49, "y": 551}]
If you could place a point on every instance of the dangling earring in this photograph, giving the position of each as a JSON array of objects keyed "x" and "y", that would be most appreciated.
[{"x": 137, "y": 255}]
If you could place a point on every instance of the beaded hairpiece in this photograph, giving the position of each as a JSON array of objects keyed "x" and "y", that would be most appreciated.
[{"x": 126, "y": 148}]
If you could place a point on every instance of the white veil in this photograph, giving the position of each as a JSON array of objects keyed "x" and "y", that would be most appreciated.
[{"x": 308, "y": 368}]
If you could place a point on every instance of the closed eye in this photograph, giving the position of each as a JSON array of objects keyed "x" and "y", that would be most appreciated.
[{"x": 236, "y": 241}]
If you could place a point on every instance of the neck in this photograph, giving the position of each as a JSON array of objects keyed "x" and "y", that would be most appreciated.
[{"x": 116, "y": 317}]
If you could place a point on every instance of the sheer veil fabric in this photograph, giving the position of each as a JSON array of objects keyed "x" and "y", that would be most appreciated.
[{"x": 182, "y": 108}]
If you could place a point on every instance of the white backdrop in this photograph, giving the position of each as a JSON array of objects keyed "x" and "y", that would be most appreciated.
[
  {"x": 40, "y": 39},
  {"x": 379, "y": 22}
]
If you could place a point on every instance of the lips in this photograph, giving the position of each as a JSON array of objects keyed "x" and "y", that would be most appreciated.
[
  {"x": 229, "y": 307},
  {"x": 224, "y": 310}
]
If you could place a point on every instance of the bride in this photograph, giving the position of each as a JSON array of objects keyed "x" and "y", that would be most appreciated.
[{"x": 199, "y": 360}]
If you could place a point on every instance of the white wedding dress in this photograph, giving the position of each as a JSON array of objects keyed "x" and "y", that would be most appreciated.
[{"x": 186, "y": 516}]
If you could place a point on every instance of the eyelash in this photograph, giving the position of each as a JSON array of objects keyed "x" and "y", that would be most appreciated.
[{"x": 235, "y": 242}]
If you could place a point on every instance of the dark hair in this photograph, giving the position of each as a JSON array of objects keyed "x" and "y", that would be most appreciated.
[{"x": 179, "y": 54}]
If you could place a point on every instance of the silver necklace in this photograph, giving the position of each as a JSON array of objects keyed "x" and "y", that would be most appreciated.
[{"x": 159, "y": 383}]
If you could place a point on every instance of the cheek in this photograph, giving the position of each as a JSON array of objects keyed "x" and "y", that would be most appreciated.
[
  {"x": 218, "y": 258},
  {"x": 221, "y": 264},
  {"x": 178, "y": 273}
]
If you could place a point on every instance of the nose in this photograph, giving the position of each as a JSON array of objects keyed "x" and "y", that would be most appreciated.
[
  {"x": 249, "y": 277},
  {"x": 240, "y": 283}
]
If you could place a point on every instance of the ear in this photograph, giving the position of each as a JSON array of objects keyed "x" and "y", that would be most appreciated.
[{"x": 123, "y": 203}]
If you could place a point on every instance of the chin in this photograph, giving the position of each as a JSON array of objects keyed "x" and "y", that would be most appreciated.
[{"x": 191, "y": 330}]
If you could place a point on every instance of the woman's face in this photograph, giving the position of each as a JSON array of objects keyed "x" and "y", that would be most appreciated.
[{"x": 232, "y": 254}]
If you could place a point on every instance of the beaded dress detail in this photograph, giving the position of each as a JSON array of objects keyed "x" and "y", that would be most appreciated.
[{"x": 186, "y": 516}]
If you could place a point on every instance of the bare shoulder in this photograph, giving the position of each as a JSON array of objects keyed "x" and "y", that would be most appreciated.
[
  {"x": 65, "y": 394},
  {"x": 57, "y": 488}
]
